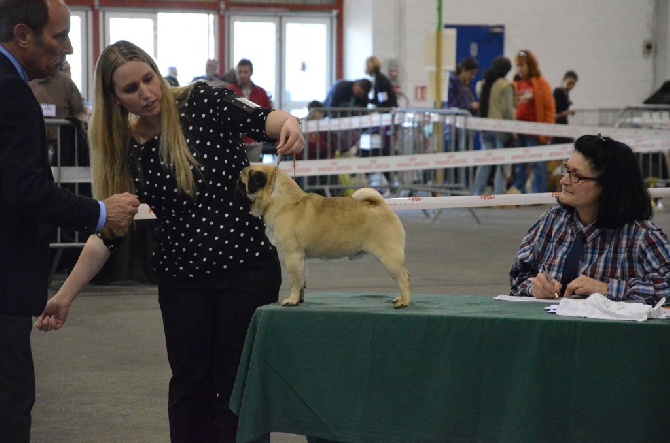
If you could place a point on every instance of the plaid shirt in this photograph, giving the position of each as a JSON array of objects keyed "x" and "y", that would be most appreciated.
[{"x": 633, "y": 260}]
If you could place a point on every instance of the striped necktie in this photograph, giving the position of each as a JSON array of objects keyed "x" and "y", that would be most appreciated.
[{"x": 571, "y": 266}]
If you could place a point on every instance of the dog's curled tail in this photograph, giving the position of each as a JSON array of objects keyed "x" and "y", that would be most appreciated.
[{"x": 369, "y": 195}]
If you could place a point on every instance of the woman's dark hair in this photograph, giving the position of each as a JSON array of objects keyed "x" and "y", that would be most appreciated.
[
  {"x": 32, "y": 13},
  {"x": 500, "y": 67},
  {"x": 467, "y": 64},
  {"x": 624, "y": 196}
]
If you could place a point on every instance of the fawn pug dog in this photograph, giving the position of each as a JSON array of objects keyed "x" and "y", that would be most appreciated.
[{"x": 303, "y": 225}]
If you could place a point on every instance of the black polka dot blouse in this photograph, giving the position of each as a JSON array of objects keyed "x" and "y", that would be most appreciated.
[{"x": 213, "y": 232}]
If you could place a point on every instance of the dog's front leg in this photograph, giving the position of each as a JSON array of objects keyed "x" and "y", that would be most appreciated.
[{"x": 295, "y": 267}]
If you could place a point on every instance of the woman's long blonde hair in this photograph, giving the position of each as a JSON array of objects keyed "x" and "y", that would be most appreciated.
[{"x": 109, "y": 131}]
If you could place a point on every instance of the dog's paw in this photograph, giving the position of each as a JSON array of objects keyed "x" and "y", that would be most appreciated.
[
  {"x": 289, "y": 302},
  {"x": 398, "y": 303}
]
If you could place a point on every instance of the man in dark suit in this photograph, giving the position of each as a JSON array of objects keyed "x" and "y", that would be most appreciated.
[{"x": 33, "y": 44}]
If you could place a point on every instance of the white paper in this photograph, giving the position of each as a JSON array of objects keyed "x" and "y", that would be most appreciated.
[
  {"x": 514, "y": 298},
  {"x": 48, "y": 110}
]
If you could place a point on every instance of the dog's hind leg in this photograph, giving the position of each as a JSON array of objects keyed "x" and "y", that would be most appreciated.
[
  {"x": 295, "y": 267},
  {"x": 394, "y": 262},
  {"x": 304, "y": 283}
]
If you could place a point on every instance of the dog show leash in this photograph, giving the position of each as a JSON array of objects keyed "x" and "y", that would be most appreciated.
[{"x": 274, "y": 181}]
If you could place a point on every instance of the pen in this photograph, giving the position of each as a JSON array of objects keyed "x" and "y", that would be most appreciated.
[{"x": 549, "y": 279}]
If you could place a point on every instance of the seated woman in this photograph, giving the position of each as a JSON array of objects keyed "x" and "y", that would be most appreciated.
[{"x": 605, "y": 210}]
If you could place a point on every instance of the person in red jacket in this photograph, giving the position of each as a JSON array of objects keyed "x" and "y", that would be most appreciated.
[
  {"x": 534, "y": 103},
  {"x": 244, "y": 87}
]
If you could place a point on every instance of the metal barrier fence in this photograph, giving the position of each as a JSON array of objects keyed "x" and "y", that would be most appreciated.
[
  {"x": 69, "y": 160},
  {"x": 595, "y": 117},
  {"x": 386, "y": 150},
  {"x": 389, "y": 132},
  {"x": 654, "y": 166}
]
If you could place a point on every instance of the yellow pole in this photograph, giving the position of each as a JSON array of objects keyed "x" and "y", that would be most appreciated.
[
  {"x": 438, "y": 57},
  {"x": 438, "y": 127}
]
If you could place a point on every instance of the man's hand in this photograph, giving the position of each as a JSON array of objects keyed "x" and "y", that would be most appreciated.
[{"x": 121, "y": 208}]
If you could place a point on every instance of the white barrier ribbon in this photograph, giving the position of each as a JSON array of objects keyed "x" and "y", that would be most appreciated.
[{"x": 474, "y": 201}]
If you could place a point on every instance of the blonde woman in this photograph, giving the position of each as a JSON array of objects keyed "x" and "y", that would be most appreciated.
[{"x": 180, "y": 150}]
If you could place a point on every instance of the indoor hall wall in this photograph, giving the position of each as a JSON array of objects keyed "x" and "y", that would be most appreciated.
[
  {"x": 357, "y": 42},
  {"x": 600, "y": 39}
]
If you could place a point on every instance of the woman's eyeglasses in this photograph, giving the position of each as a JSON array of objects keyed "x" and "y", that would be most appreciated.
[
  {"x": 522, "y": 54},
  {"x": 573, "y": 176}
]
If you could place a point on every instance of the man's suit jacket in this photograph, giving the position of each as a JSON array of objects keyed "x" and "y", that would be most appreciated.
[{"x": 31, "y": 204}]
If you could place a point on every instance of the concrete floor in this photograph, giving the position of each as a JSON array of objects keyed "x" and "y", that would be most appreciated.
[{"x": 103, "y": 378}]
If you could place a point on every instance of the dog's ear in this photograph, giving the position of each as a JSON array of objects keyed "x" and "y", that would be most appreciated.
[{"x": 257, "y": 181}]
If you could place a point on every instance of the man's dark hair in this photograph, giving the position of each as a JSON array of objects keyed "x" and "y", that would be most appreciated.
[
  {"x": 32, "y": 13},
  {"x": 570, "y": 74},
  {"x": 467, "y": 64},
  {"x": 624, "y": 197},
  {"x": 246, "y": 62},
  {"x": 365, "y": 84},
  {"x": 315, "y": 104}
]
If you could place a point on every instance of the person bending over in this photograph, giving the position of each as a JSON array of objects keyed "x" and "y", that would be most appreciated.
[{"x": 181, "y": 150}]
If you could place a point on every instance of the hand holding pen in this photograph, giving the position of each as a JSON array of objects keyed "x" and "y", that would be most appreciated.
[{"x": 545, "y": 286}]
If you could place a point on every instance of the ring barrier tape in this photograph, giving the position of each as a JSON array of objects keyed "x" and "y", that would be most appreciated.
[
  {"x": 442, "y": 160},
  {"x": 478, "y": 201},
  {"x": 639, "y": 139},
  {"x": 483, "y": 124}
]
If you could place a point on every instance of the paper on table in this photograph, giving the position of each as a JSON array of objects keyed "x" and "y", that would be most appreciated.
[{"x": 503, "y": 297}]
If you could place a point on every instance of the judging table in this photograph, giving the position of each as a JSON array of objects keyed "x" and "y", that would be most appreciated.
[{"x": 348, "y": 367}]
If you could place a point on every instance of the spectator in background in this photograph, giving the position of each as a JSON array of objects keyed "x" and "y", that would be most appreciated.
[
  {"x": 349, "y": 94},
  {"x": 244, "y": 87},
  {"x": 60, "y": 92},
  {"x": 383, "y": 95},
  {"x": 459, "y": 94},
  {"x": 534, "y": 103},
  {"x": 60, "y": 99},
  {"x": 171, "y": 76},
  {"x": 497, "y": 101},
  {"x": 321, "y": 145},
  {"x": 326, "y": 144},
  {"x": 230, "y": 76},
  {"x": 563, "y": 103},
  {"x": 211, "y": 76}
]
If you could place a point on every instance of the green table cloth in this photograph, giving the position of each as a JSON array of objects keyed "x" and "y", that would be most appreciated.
[{"x": 349, "y": 367}]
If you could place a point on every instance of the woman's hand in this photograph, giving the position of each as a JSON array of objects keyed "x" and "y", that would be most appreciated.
[
  {"x": 585, "y": 286},
  {"x": 291, "y": 140},
  {"x": 286, "y": 129},
  {"x": 543, "y": 286},
  {"x": 54, "y": 315}
]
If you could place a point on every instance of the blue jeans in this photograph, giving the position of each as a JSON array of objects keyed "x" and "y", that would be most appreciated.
[
  {"x": 490, "y": 140},
  {"x": 539, "y": 168}
]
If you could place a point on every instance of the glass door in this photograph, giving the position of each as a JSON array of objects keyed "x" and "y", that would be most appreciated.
[
  {"x": 307, "y": 67},
  {"x": 293, "y": 62},
  {"x": 256, "y": 38},
  {"x": 180, "y": 39}
]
